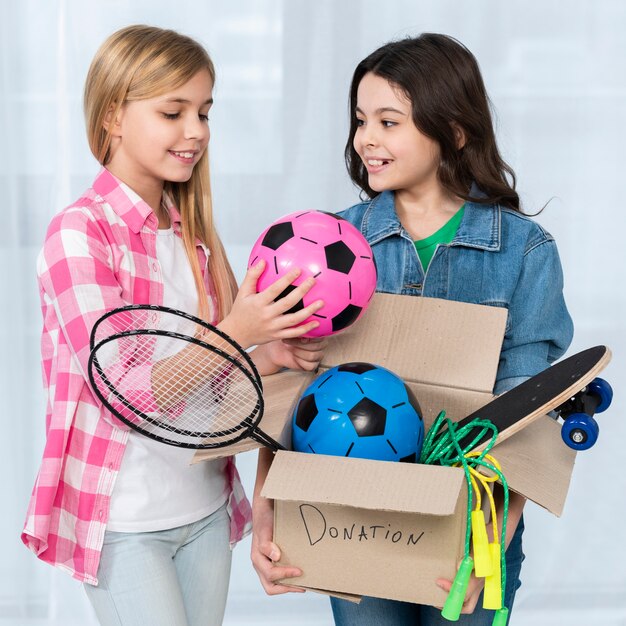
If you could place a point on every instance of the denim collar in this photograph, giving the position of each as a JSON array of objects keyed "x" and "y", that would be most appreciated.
[{"x": 480, "y": 227}]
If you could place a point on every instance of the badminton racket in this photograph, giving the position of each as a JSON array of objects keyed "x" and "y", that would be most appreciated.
[{"x": 176, "y": 378}]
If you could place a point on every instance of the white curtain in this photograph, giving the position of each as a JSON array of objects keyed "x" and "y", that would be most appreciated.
[{"x": 556, "y": 75}]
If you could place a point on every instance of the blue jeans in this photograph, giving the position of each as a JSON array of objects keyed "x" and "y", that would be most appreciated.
[
  {"x": 174, "y": 577},
  {"x": 379, "y": 612}
]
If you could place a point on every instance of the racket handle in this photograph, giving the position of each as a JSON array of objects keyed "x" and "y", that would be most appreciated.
[{"x": 456, "y": 596}]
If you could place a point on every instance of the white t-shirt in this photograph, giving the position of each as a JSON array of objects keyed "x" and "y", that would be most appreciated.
[{"x": 156, "y": 487}]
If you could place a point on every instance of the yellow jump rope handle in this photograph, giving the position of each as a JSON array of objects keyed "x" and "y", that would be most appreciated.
[
  {"x": 456, "y": 596},
  {"x": 483, "y": 565},
  {"x": 492, "y": 596}
]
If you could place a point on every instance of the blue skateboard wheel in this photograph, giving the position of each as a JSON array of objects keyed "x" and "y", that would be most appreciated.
[
  {"x": 580, "y": 431},
  {"x": 601, "y": 388}
]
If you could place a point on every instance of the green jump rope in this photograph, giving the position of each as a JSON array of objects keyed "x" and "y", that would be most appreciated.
[{"x": 441, "y": 447}]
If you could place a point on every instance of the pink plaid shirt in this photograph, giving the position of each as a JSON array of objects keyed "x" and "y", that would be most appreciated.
[{"x": 99, "y": 253}]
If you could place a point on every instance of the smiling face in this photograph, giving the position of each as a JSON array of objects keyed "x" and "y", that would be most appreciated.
[
  {"x": 162, "y": 138},
  {"x": 395, "y": 153}
]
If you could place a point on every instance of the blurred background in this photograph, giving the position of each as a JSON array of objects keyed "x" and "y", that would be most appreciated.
[{"x": 556, "y": 73}]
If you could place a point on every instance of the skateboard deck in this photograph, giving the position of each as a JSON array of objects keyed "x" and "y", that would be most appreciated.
[{"x": 537, "y": 396}]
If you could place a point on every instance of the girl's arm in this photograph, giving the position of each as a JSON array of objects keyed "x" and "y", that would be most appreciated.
[
  {"x": 78, "y": 284},
  {"x": 303, "y": 354},
  {"x": 255, "y": 318},
  {"x": 76, "y": 281},
  {"x": 264, "y": 552},
  {"x": 539, "y": 328}
]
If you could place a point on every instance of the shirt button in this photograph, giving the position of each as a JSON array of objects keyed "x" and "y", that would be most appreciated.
[
  {"x": 154, "y": 267},
  {"x": 100, "y": 514}
]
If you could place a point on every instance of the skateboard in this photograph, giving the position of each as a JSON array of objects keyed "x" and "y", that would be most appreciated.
[{"x": 569, "y": 387}]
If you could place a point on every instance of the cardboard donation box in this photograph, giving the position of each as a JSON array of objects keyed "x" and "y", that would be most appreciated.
[
  {"x": 362, "y": 527},
  {"x": 368, "y": 527}
]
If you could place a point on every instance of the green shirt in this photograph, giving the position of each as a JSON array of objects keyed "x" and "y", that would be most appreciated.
[{"x": 426, "y": 247}]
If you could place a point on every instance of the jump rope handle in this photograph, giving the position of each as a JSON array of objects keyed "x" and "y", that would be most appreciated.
[
  {"x": 456, "y": 596},
  {"x": 501, "y": 617}
]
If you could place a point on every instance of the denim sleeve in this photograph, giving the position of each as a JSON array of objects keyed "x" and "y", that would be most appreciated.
[{"x": 539, "y": 328}]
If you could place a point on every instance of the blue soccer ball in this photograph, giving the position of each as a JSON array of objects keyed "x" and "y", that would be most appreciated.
[{"x": 359, "y": 410}]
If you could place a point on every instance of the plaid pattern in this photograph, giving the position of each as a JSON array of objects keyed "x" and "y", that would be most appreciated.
[{"x": 99, "y": 253}]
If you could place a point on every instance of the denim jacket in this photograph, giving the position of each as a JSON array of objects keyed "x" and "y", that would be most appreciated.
[{"x": 498, "y": 258}]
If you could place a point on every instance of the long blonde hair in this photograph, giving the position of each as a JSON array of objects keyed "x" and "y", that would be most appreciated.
[{"x": 139, "y": 62}]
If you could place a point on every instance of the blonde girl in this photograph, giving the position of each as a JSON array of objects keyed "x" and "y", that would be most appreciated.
[{"x": 147, "y": 533}]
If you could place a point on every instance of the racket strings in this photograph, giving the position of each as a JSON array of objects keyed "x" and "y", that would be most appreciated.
[
  {"x": 152, "y": 372},
  {"x": 128, "y": 320},
  {"x": 195, "y": 389}
]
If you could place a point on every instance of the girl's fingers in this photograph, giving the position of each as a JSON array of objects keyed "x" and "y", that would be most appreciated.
[
  {"x": 308, "y": 357},
  {"x": 273, "y": 292},
  {"x": 248, "y": 284},
  {"x": 311, "y": 344},
  {"x": 288, "y": 301},
  {"x": 277, "y": 588},
  {"x": 304, "y": 354},
  {"x": 307, "y": 366},
  {"x": 269, "y": 573},
  {"x": 292, "y": 319},
  {"x": 292, "y": 332}
]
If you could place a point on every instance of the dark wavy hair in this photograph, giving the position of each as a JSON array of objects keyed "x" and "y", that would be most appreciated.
[{"x": 442, "y": 80}]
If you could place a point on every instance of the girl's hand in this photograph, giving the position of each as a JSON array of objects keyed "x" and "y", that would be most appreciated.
[
  {"x": 265, "y": 552},
  {"x": 302, "y": 353},
  {"x": 256, "y": 318},
  {"x": 474, "y": 588}
]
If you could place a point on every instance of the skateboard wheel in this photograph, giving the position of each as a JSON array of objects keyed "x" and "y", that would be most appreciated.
[
  {"x": 601, "y": 388},
  {"x": 580, "y": 431}
]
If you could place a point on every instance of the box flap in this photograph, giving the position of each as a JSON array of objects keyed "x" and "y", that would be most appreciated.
[
  {"x": 457, "y": 403},
  {"x": 365, "y": 484},
  {"x": 537, "y": 464},
  {"x": 350, "y": 597},
  {"x": 437, "y": 343},
  {"x": 428, "y": 340}
]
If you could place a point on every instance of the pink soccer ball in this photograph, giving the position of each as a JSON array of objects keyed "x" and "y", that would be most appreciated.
[{"x": 329, "y": 248}]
